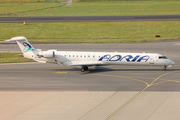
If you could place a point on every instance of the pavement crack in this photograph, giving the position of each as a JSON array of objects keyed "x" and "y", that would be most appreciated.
[
  {"x": 127, "y": 103},
  {"x": 98, "y": 105},
  {"x": 158, "y": 106}
]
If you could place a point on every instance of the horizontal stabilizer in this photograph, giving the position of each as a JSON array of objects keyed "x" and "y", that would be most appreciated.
[{"x": 16, "y": 39}]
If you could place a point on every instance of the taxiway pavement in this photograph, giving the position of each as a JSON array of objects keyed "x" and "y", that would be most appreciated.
[
  {"x": 47, "y": 91},
  {"x": 91, "y": 18}
]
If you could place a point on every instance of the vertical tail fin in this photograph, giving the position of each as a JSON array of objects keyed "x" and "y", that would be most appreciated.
[{"x": 27, "y": 49}]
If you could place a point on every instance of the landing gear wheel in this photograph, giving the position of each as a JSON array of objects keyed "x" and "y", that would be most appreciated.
[
  {"x": 165, "y": 68},
  {"x": 82, "y": 69},
  {"x": 85, "y": 67}
]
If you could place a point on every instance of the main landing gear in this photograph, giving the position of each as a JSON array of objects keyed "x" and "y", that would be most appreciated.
[{"x": 84, "y": 68}]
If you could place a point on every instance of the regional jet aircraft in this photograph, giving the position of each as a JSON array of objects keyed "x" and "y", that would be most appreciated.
[{"x": 86, "y": 59}]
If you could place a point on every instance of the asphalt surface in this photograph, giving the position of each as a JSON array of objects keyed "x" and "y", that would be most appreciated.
[
  {"x": 91, "y": 18},
  {"x": 36, "y": 76},
  {"x": 50, "y": 92}
]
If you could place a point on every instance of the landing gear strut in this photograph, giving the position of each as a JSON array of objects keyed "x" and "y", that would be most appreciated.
[
  {"x": 165, "y": 68},
  {"x": 84, "y": 68}
]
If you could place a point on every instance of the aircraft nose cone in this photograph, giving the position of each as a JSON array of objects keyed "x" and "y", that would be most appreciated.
[{"x": 172, "y": 62}]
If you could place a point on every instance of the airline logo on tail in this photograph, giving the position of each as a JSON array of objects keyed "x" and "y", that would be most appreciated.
[{"x": 27, "y": 47}]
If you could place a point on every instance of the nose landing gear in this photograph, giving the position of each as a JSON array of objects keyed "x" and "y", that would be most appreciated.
[
  {"x": 165, "y": 68},
  {"x": 84, "y": 68}
]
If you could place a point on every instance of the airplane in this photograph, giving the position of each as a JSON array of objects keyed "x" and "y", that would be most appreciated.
[{"x": 86, "y": 59}]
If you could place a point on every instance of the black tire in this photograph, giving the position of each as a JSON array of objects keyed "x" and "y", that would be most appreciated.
[
  {"x": 82, "y": 69},
  {"x": 86, "y": 68}
]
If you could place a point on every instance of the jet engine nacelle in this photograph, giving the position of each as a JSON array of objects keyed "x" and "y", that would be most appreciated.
[{"x": 46, "y": 54}]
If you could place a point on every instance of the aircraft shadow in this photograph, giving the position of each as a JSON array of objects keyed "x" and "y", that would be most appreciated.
[
  {"x": 99, "y": 69},
  {"x": 103, "y": 69}
]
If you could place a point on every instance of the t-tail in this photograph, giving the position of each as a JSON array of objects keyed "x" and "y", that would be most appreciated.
[{"x": 27, "y": 49}]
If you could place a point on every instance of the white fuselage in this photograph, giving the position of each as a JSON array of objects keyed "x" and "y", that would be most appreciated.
[{"x": 108, "y": 58}]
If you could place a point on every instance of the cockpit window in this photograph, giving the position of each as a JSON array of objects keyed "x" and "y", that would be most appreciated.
[{"x": 162, "y": 57}]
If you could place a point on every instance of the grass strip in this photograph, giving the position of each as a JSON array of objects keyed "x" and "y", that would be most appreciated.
[
  {"x": 92, "y": 32},
  {"x": 100, "y": 8},
  {"x": 12, "y": 58},
  {"x": 14, "y": 9}
]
